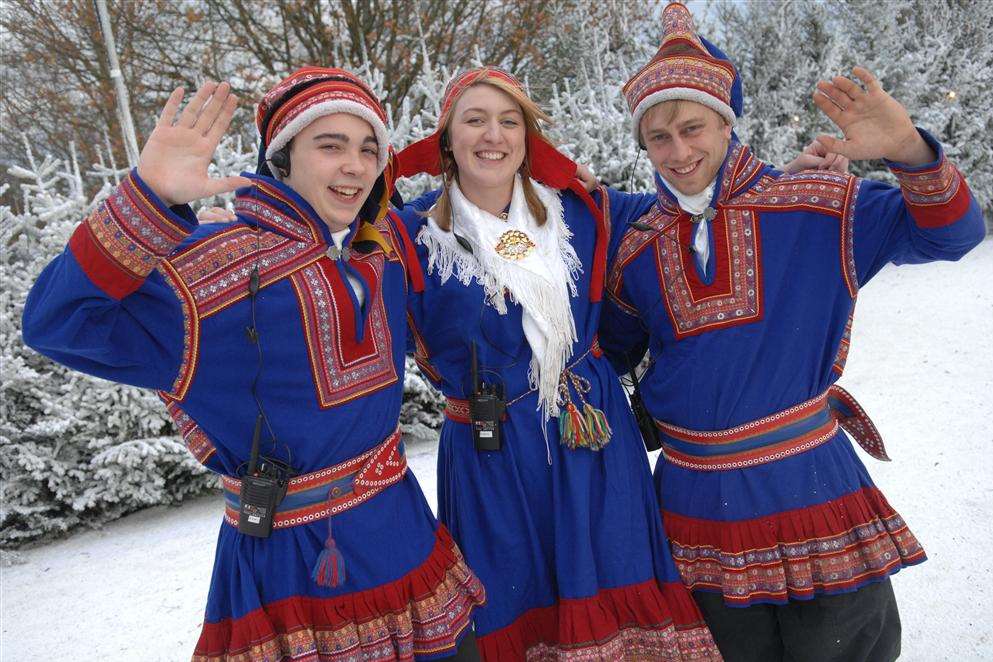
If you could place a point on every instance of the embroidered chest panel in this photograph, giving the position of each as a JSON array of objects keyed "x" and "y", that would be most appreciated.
[
  {"x": 344, "y": 368},
  {"x": 216, "y": 270},
  {"x": 735, "y": 294}
]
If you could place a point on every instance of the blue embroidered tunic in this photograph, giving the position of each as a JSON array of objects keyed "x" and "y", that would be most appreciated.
[
  {"x": 144, "y": 296},
  {"x": 763, "y": 497},
  {"x": 568, "y": 542}
]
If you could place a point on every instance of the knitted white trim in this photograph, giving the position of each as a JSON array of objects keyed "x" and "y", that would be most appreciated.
[
  {"x": 301, "y": 121},
  {"x": 684, "y": 93}
]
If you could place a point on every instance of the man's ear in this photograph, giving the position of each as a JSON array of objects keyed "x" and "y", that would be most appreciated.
[{"x": 727, "y": 130}]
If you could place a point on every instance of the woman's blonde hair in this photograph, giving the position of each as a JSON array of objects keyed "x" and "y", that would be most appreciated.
[{"x": 441, "y": 212}]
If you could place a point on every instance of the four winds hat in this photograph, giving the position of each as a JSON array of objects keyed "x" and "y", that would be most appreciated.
[
  {"x": 685, "y": 67},
  {"x": 313, "y": 92}
]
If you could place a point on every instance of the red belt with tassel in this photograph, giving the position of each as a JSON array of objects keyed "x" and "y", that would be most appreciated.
[{"x": 327, "y": 492}]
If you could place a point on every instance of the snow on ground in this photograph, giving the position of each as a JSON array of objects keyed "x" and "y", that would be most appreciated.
[{"x": 921, "y": 364}]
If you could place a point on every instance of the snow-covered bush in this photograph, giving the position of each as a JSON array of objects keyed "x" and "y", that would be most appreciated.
[{"x": 74, "y": 450}]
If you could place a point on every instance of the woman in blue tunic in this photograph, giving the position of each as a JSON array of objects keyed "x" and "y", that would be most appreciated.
[
  {"x": 559, "y": 519},
  {"x": 313, "y": 274}
]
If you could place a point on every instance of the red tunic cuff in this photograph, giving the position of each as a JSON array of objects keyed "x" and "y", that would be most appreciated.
[{"x": 124, "y": 238}]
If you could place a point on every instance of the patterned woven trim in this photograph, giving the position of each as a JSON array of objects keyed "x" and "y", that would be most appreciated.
[
  {"x": 197, "y": 441},
  {"x": 824, "y": 192},
  {"x": 700, "y": 72},
  {"x": 630, "y": 643},
  {"x": 264, "y": 212},
  {"x": 125, "y": 238},
  {"x": 135, "y": 230},
  {"x": 935, "y": 197},
  {"x": 848, "y": 268},
  {"x": 735, "y": 295},
  {"x": 191, "y": 332},
  {"x": 642, "y": 621},
  {"x": 457, "y": 410},
  {"x": 932, "y": 186},
  {"x": 217, "y": 269},
  {"x": 750, "y": 429},
  {"x": 841, "y": 358},
  {"x": 793, "y": 554},
  {"x": 856, "y": 422},
  {"x": 752, "y": 458}
]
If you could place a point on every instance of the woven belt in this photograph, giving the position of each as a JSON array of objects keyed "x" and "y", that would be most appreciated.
[
  {"x": 332, "y": 490},
  {"x": 457, "y": 409},
  {"x": 780, "y": 435}
]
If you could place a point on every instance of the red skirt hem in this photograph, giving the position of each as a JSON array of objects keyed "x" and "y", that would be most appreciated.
[
  {"x": 833, "y": 547},
  {"x": 643, "y": 621},
  {"x": 422, "y": 613}
]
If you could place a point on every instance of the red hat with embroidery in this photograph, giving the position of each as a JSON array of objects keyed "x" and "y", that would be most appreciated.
[
  {"x": 683, "y": 68},
  {"x": 312, "y": 92},
  {"x": 546, "y": 164}
]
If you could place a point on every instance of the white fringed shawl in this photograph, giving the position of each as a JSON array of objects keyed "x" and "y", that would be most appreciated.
[{"x": 542, "y": 283}]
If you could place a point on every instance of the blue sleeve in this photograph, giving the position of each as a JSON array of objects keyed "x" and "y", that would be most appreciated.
[
  {"x": 104, "y": 306},
  {"x": 622, "y": 209},
  {"x": 413, "y": 218},
  {"x": 623, "y": 336},
  {"x": 932, "y": 216}
]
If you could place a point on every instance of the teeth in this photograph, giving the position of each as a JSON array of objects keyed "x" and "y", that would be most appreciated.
[
  {"x": 687, "y": 169},
  {"x": 490, "y": 156},
  {"x": 347, "y": 191}
]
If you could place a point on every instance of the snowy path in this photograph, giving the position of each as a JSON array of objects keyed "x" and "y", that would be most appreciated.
[{"x": 921, "y": 364}]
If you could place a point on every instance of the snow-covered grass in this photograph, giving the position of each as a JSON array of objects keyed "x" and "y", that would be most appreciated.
[{"x": 921, "y": 364}]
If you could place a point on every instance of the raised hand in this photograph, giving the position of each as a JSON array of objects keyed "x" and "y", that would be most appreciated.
[
  {"x": 174, "y": 161},
  {"x": 816, "y": 157},
  {"x": 875, "y": 124}
]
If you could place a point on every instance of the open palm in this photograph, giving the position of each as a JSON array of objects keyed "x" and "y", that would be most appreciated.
[
  {"x": 175, "y": 158},
  {"x": 875, "y": 125}
]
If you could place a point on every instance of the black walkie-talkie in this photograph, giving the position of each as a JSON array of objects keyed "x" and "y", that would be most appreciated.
[
  {"x": 649, "y": 433},
  {"x": 486, "y": 407},
  {"x": 262, "y": 488}
]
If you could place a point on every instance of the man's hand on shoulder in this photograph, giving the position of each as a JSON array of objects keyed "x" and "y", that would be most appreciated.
[{"x": 816, "y": 157}]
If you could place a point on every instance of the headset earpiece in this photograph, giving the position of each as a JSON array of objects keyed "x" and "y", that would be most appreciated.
[{"x": 280, "y": 160}]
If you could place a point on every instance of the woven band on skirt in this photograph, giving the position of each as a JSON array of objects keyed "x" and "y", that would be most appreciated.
[
  {"x": 457, "y": 409},
  {"x": 332, "y": 490}
]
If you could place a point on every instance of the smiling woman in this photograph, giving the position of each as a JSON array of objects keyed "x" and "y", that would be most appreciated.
[
  {"x": 483, "y": 148},
  {"x": 554, "y": 507}
]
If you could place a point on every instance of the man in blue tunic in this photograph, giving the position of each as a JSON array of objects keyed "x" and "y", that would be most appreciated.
[
  {"x": 277, "y": 343},
  {"x": 741, "y": 281}
]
